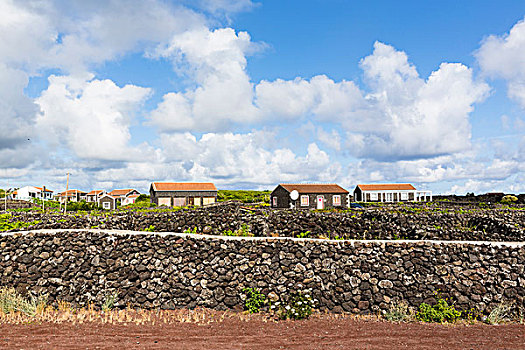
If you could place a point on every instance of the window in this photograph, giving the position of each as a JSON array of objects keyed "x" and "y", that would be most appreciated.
[
  {"x": 305, "y": 201},
  {"x": 337, "y": 200},
  {"x": 106, "y": 205},
  {"x": 404, "y": 196},
  {"x": 373, "y": 196},
  {"x": 274, "y": 201}
]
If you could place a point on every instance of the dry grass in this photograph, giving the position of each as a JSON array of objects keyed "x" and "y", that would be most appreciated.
[{"x": 64, "y": 313}]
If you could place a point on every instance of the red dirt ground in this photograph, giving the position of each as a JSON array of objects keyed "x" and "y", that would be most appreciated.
[{"x": 321, "y": 332}]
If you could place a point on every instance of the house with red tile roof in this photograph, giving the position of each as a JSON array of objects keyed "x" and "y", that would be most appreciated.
[
  {"x": 309, "y": 196},
  {"x": 28, "y": 193},
  {"x": 71, "y": 195},
  {"x": 94, "y": 196},
  {"x": 390, "y": 193},
  {"x": 180, "y": 194}
]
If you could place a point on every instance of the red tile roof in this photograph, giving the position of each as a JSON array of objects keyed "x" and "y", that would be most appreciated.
[
  {"x": 387, "y": 187},
  {"x": 121, "y": 192},
  {"x": 315, "y": 188},
  {"x": 184, "y": 186},
  {"x": 40, "y": 188},
  {"x": 71, "y": 192},
  {"x": 95, "y": 192}
]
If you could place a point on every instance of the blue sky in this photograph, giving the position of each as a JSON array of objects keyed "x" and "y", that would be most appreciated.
[{"x": 250, "y": 94}]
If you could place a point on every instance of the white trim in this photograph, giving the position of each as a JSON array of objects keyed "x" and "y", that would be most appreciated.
[{"x": 303, "y": 204}]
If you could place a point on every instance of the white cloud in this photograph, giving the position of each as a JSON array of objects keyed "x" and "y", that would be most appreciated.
[
  {"x": 504, "y": 57},
  {"x": 91, "y": 117},
  {"x": 407, "y": 117},
  {"x": 216, "y": 61}
]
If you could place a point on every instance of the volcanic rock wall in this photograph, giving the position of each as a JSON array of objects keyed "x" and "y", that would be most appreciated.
[
  {"x": 168, "y": 270},
  {"x": 418, "y": 222}
]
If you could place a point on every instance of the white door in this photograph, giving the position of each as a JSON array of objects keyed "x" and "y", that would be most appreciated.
[{"x": 320, "y": 202}]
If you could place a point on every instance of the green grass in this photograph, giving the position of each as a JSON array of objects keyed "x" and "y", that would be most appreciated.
[{"x": 244, "y": 196}]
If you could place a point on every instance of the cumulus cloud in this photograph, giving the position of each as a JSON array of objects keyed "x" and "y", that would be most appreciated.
[
  {"x": 90, "y": 117},
  {"x": 248, "y": 158},
  {"x": 504, "y": 57},
  {"x": 216, "y": 61}
]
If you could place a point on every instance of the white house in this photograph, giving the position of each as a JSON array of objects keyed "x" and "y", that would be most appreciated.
[
  {"x": 390, "y": 193},
  {"x": 28, "y": 193}
]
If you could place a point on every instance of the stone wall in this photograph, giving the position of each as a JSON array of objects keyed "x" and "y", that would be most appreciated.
[
  {"x": 170, "y": 270},
  {"x": 394, "y": 222}
]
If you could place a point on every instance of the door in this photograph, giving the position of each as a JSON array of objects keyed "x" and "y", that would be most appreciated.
[{"x": 320, "y": 202}]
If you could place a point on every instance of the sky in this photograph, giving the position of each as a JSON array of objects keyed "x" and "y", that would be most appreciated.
[{"x": 249, "y": 94}]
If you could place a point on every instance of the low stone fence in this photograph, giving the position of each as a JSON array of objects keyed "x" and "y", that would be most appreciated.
[
  {"x": 169, "y": 270},
  {"x": 395, "y": 222}
]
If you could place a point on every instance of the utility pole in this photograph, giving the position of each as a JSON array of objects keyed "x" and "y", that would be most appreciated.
[
  {"x": 67, "y": 188},
  {"x": 43, "y": 197}
]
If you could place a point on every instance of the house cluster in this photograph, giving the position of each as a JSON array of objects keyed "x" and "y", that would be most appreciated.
[
  {"x": 322, "y": 196},
  {"x": 107, "y": 200},
  {"x": 295, "y": 196}
]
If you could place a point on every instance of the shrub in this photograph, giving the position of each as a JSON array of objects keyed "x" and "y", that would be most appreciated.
[
  {"x": 11, "y": 301},
  {"x": 440, "y": 312},
  {"x": 254, "y": 299},
  {"x": 298, "y": 306},
  {"x": 500, "y": 314},
  {"x": 399, "y": 312},
  {"x": 508, "y": 199}
]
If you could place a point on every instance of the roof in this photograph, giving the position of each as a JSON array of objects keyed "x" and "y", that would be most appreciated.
[
  {"x": 40, "y": 188},
  {"x": 134, "y": 196},
  {"x": 95, "y": 192},
  {"x": 121, "y": 192},
  {"x": 71, "y": 192},
  {"x": 107, "y": 195},
  {"x": 314, "y": 188},
  {"x": 387, "y": 187},
  {"x": 183, "y": 186}
]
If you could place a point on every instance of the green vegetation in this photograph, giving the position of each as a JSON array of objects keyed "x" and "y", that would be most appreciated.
[
  {"x": 109, "y": 301},
  {"x": 509, "y": 199},
  {"x": 303, "y": 234},
  {"x": 189, "y": 230},
  {"x": 440, "y": 312},
  {"x": 254, "y": 299},
  {"x": 399, "y": 312},
  {"x": 11, "y": 301},
  {"x": 243, "y": 231},
  {"x": 2, "y": 193},
  {"x": 142, "y": 201},
  {"x": 244, "y": 196},
  {"x": 151, "y": 228},
  {"x": 298, "y": 306},
  {"x": 6, "y": 224},
  {"x": 82, "y": 206}
]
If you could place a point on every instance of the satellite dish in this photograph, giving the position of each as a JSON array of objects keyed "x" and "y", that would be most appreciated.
[{"x": 294, "y": 195}]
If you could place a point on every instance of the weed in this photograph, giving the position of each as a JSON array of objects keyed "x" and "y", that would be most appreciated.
[
  {"x": 11, "y": 301},
  {"x": 303, "y": 234},
  {"x": 151, "y": 228},
  {"x": 298, "y": 306},
  {"x": 440, "y": 312},
  {"x": 399, "y": 312},
  {"x": 254, "y": 299},
  {"x": 189, "y": 230},
  {"x": 500, "y": 314},
  {"x": 109, "y": 301}
]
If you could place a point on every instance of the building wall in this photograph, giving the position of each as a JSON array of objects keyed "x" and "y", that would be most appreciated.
[
  {"x": 284, "y": 200},
  {"x": 187, "y": 270},
  {"x": 111, "y": 201},
  {"x": 187, "y": 195}
]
